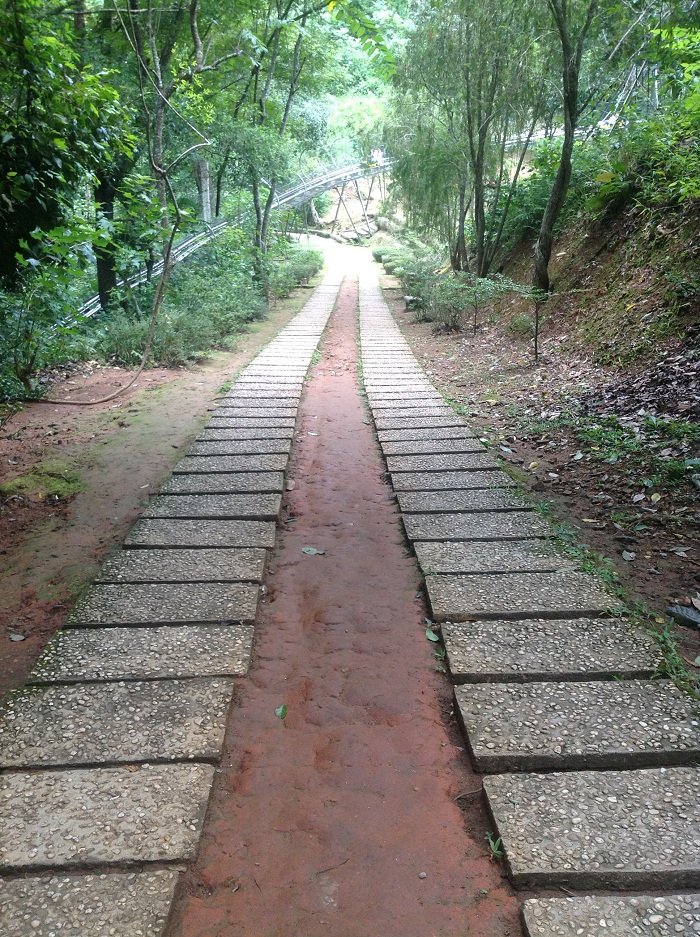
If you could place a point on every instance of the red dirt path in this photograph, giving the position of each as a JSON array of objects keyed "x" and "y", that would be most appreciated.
[{"x": 320, "y": 824}]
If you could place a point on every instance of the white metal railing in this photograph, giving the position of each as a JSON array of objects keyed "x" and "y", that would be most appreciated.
[{"x": 292, "y": 197}]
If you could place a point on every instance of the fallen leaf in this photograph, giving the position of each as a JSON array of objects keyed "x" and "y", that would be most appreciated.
[
  {"x": 533, "y": 465},
  {"x": 655, "y": 497},
  {"x": 628, "y": 556},
  {"x": 637, "y": 498},
  {"x": 281, "y": 711},
  {"x": 312, "y": 551},
  {"x": 17, "y": 637},
  {"x": 578, "y": 457},
  {"x": 430, "y": 635}
]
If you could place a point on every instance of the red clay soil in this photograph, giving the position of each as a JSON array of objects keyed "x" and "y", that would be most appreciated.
[{"x": 322, "y": 823}]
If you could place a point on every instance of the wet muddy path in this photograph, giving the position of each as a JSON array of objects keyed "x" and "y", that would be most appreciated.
[{"x": 340, "y": 819}]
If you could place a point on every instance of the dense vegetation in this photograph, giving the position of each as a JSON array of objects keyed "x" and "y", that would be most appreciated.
[{"x": 126, "y": 126}]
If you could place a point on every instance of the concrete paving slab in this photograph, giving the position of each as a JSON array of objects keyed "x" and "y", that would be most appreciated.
[
  {"x": 600, "y": 829},
  {"x": 447, "y": 481},
  {"x": 235, "y": 401},
  {"x": 220, "y": 421},
  {"x": 417, "y": 413},
  {"x": 476, "y": 525},
  {"x": 577, "y": 726},
  {"x": 405, "y": 401},
  {"x": 258, "y": 413},
  {"x": 612, "y": 916},
  {"x": 479, "y": 499},
  {"x": 435, "y": 432},
  {"x": 383, "y": 421},
  {"x": 431, "y": 447},
  {"x": 224, "y": 483},
  {"x": 224, "y": 565},
  {"x": 265, "y": 389},
  {"x": 502, "y": 651},
  {"x": 157, "y": 532},
  {"x": 108, "y": 723},
  {"x": 145, "y": 653},
  {"x": 211, "y": 433},
  {"x": 563, "y": 594},
  {"x": 102, "y": 815},
  {"x": 165, "y": 603},
  {"x": 239, "y": 447},
  {"x": 484, "y": 556},
  {"x": 271, "y": 462},
  {"x": 125, "y": 904},
  {"x": 264, "y": 507},
  {"x": 450, "y": 462}
]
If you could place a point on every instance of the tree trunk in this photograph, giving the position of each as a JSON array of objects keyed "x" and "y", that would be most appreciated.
[
  {"x": 555, "y": 203},
  {"x": 105, "y": 192},
  {"x": 459, "y": 256},
  {"x": 202, "y": 175}
]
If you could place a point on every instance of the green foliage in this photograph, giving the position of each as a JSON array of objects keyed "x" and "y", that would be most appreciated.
[
  {"x": 60, "y": 122},
  {"x": 38, "y": 321},
  {"x": 210, "y": 300},
  {"x": 293, "y": 267}
]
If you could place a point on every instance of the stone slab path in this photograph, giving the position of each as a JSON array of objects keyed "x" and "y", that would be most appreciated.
[
  {"x": 546, "y": 682},
  {"x": 108, "y": 756}
]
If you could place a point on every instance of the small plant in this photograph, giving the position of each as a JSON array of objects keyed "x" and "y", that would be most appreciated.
[{"x": 495, "y": 847}]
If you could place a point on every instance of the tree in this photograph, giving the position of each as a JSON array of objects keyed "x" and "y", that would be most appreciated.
[
  {"x": 61, "y": 123},
  {"x": 572, "y": 20}
]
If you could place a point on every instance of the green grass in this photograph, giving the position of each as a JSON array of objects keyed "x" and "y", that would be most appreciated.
[{"x": 56, "y": 478}]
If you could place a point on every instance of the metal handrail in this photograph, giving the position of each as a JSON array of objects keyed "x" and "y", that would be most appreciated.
[{"x": 292, "y": 197}]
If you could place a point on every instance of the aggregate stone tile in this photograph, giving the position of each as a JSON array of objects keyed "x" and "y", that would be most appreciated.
[
  {"x": 436, "y": 432},
  {"x": 260, "y": 506},
  {"x": 102, "y": 815},
  {"x": 495, "y": 556},
  {"x": 612, "y": 916},
  {"x": 239, "y": 447},
  {"x": 157, "y": 532},
  {"x": 574, "y": 726},
  {"x": 223, "y": 565},
  {"x": 449, "y": 462},
  {"x": 145, "y": 653},
  {"x": 600, "y": 829},
  {"x": 265, "y": 389},
  {"x": 476, "y": 525},
  {"x": 431, "y": 446},
  {"x": 516, "y": 595},
  {"x": 98, "y": 723},
  {"x": 219, "y": 421},
  {"x": 163, "y": 603},
  {"x": 406, "y": 399},
  {"x": 271, "y": 462},
  {"x": 126, "y": 904},
  {"x": 447, "y": 481},
  {"x": 224, "y": 483},
  {"x": 285, "y": 401},
  {"x": 399, "y": 413},
  {"x": 384, "y": 421},
  {"x": 212, "y": 433},
  {"x": 559, "y": 650},
  {"x": 257, "y": 412},
  {"x": 479, "y": 499}
]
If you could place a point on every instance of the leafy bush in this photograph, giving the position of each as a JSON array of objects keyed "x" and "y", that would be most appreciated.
[
  {"x": 210, "y": 299},
  {"x": 296, "y": 266}
]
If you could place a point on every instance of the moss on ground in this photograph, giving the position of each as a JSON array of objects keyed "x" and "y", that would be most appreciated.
[{"x": 56, "y": 478}]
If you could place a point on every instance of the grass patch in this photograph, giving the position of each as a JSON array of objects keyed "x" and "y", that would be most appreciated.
[{"x": 55, "y": 478}]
